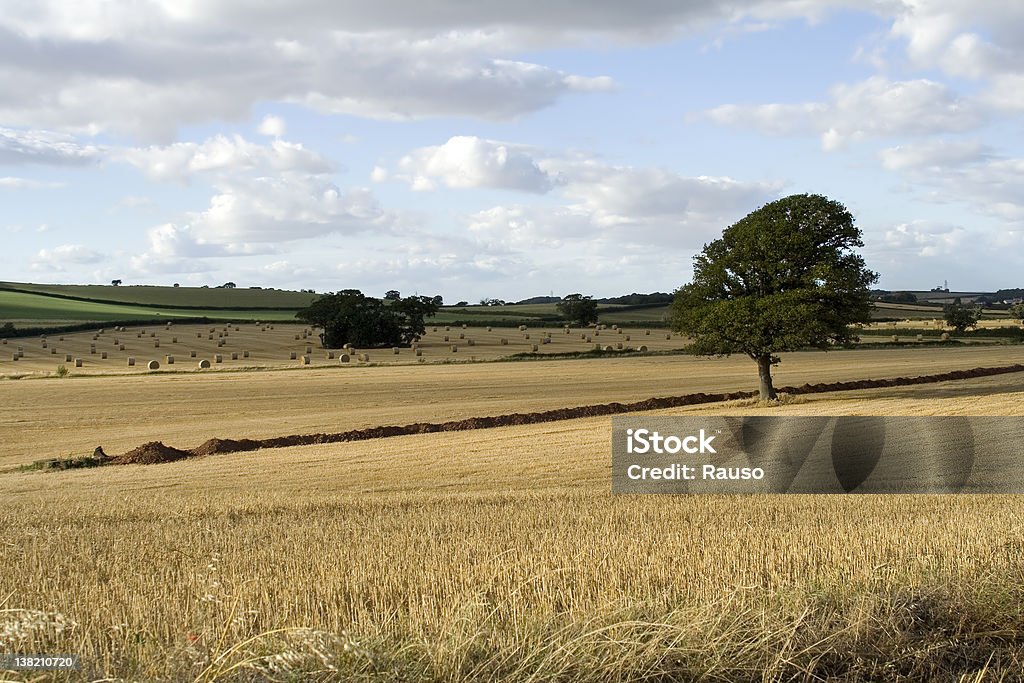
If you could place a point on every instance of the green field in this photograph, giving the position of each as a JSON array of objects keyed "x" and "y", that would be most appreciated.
[
  {"x": 176, "y": 297},
  {"x": 38, "y": 309}
]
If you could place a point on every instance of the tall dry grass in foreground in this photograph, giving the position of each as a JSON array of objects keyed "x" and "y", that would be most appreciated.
[{"x": 569, "y": 584}]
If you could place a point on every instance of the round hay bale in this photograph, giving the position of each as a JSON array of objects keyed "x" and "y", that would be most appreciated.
[
  {"x": 14, "y": 356},
  {"x": 470, "y": 342},
  {"x": 618, "y": 346},
  {"x": 234, "y": 355},
  {"x": 526, "y": 336},
  {"x": 120, "y": 347},
  {"x": 504, "y": 342},
  {"x": 447, "y": 328},
  {"x": 419, "y": 352},
  {"x": 305, "y": 360},
  {"x": 920, "y": 337},
  {"x": 245, "y": 354},
  {"x": 204, "y": 364},
  {"x": 217, "y": 358},
  {"x": 156, "y": 344},
  {"x": 344, "y": 358},
  {"x": 293, "y": 355},
  {"x": 330, "y": 355},
  {"x": 446, "y": 337},
  {"x": 174, "y": 340},
  {"x": 67, "y": 357},
  {"x": 53, "y": 350},
  {"x": 199, "y": 335},
  {"x": 462, "y": 335},
  {"x": 455, "y": 348},
  {"x": 608, "y": 348},
  {"x": 944, "y": 336},
  {"x": 643, "y": 349},
  {"x": 522, "y": 328},
  {"x": 153, "y": 365},
  {"x": 535, "y": 348},
  {"x": 309, "y": 349},
  {"x": 191, "y": 354},
  {"x": 627, "y": 337},
  {"x": 488, "y": 328},
  {"x": 347, "y": 347},
  {"x": 297, "y": 337},
  {"x": 103, "y": 355},
  {"x": 545, "y": 340},
  {"x": 78, "y": 362},
  {"x": 131, "y": 362},
  {"x": 668, "y": 336},
  {"x": 895, "y": 338},
  {"x": 396, "y": 350},
  {"x": 589, "y": 339},
  {"x": 170, "y": 360}
]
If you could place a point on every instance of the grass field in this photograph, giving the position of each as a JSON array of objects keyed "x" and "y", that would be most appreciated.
[
  {"x": 187, "y": 297},
  {"x": 494, "y": 554},
  {"x": 501, "y": 555}
]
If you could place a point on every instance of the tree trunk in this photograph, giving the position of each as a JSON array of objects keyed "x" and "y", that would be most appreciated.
[{"x": 764, "y": 372}]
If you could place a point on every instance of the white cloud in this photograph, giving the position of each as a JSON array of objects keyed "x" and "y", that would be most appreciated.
[
  {"x": 221, "y": 154},
  {"x": 469, "y": 161},
  {"x": 13, "y": 183},
  {"x": 43, "y": 147},
  {"x": 934, "y": 154},
  {"x": 54, "y": 260},
  {"x": 876, "y": 107},
  {"x": 274, "y": 126}
]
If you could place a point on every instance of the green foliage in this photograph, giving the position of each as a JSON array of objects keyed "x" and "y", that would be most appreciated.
[
  {"x": 1017, "y": 312},
  {"x": 578, "y": 309},
  {"x": 899, "y": 298},
  {"x": 350, "y": 317},
  {"x": 62, "y": 371},
  {"x": 785, "y": 277},
  {"x": 961, "y": 317}
]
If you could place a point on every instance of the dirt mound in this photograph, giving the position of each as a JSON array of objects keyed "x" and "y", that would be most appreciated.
[
  {"x": 150, "y": 454},
  {"x": 155, "y": 452}
]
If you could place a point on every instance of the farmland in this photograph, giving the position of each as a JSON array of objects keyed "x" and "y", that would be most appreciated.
[{"x": 489, "y": 554}]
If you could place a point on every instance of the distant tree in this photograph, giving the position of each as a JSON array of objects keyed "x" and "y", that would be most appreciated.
[
  {"x": 7, "y": 329},
  {"x": 462, "y": 303},
  {"x": 228, "y": 285},
  {"x": 176, "y": 284},
  {"x": 116, "y": 283},
  {"x": 783, "y": 278},
  {"x": 961, "y": 317},
  {"x": 1017, "y": 312},
  {"x": 899, "y": 298},
  {"x": 578, "y": 309},
  {"x": 350, "y": 317},
  {"x": 438, "y": 301},
  {"x": 392, "y": 295}
]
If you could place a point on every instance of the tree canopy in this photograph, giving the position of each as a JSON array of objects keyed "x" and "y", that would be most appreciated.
[
  {"x": 578, "y": 309},
  {"x": 961, "y": 317},
  {"x": 350, "y": 317},
  {"x": 783, "y": 278}
]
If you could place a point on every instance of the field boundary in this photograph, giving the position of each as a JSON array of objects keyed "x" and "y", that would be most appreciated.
[{"x": 156, "y": 452}]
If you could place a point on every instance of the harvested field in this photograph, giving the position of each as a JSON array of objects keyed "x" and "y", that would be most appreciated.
[
  {"x": 120, "y": 412},
  {"x": 501, "y": 554}
]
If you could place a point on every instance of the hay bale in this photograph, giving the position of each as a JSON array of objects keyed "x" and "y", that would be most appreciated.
[
  {"x": 462, "y": 335},
  {"x": 643, "y": 348},
  {"x": 504, "y": 342},
  {"x": 78, "y": 362},
  {"x": 545, "y": 340},
  {"x": 618, "y": 346},
  {"x": 627, "y": 337},
  {"x": 920, "y": 337},
  {"x": 330, "y": 355},
  {"x": 589, "y": 339},
  {"x": 53, "y": 350},
  {"x": 535, "y": 348},
  {"x": 419, "y": 352},
  {"x": 199, "y": 335},
  {"x": 455, "y": 348},
  {"x": 309, "y": 349},
  {"x": 191, "y": 354},
  {"x": 464, "y": 326},
  {"x": 396, "y": 350},
  {"x": 234, "y": 355},
  {"x": 153, "y": 365},
  {"x": 945, "y": 336},
  {"x": 895, "y": 337},
  {"x": 522, "y": 328},
  {"x": 488, "y": 328},
  {"x": 608, "y": 348},
  {"x": 344, "y": 358},
  {"x": 297, "y": 337},
  {"x": 293, "y": 355},
  {"x": 14, "y": 356},
  {"x": 217, "y": 358},
  {"x": 156, "y": 344},
  {"x": 120, "y": 347},
  {"x": 103, "y": 355},
  {"x": 526, "y": 336},
  {"x": 446, "y": 337},
  {"x": 447, "y": 328},
  {"x": 204, "y": 364},
  {"x": 347, "y": 347},
  {"x": 174, "y": 340},
  {"x": 470, "y": 342},
  {"x": 668, "y": 336},
  {"x": 170, "y": 360},
  {"x": 67, "y": 357},
  {"x": 245, "y": 354},
  {"x": 305, "y": 360}
]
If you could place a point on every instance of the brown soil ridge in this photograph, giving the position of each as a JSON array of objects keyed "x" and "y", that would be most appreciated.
[{"x": 155, "y": 451}]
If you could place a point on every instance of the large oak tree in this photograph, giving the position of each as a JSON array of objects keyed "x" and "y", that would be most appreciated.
[{"x": 783, "y": 278}]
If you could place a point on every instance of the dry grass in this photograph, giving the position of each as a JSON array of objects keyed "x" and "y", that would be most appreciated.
[
  {"x": 60, "y": 417},
  {"x": 501, "y": 555}
]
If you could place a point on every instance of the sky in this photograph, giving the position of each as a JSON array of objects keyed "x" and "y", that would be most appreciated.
[{"x": 490, "y": 149}]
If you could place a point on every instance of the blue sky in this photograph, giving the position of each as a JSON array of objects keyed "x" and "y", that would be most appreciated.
[{"x": 487, "y": 150}]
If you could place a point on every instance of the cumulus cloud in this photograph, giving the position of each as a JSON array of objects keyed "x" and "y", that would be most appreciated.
[
  {"x": 933, "y": 154},
  {"x": 469, "y": 161},
  {"x": 43, "y": 147},
  {"x": 274, "y": 126},
  {"x": 181, "y": 160},
  {"x": 55, "y": 259},
  {"x": 876, "y": 107}
]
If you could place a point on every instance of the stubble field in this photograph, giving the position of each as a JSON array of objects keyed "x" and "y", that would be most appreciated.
[{"x": 495, "y": 554}]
